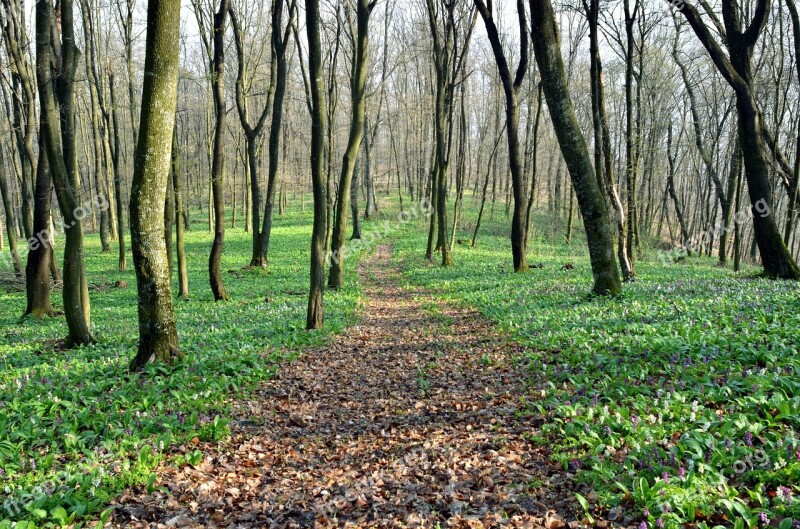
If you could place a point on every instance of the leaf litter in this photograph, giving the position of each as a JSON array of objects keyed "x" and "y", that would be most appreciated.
[{"x": 409, "y": 419}]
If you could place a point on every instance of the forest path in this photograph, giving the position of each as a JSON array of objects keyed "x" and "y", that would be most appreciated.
[{"x": 407, "y": 420}]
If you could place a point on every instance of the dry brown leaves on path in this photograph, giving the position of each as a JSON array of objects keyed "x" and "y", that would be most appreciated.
[{"x": 407, "y": 420}]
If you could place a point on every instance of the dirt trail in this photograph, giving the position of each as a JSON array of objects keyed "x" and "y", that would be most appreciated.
[{"x": 407, "y": 420}]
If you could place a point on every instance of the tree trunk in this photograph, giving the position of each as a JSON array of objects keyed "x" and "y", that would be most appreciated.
[
  {"x": 61, "y": 155},
  {"x": 158, "y": 337},
  {"x": 218, "y": 163},
  {"x": 511, "y": 88},
  {"x": 180, "y": 239},
  {"x": 11, "y": 229},
  {"x": 315, "y": 316},
  {"x": 115, "y": 155},
  {"x": 593, "y": 208},
  {"x": 359, "y": 99},
  {"x": 354, "y": 202},
  {"x": 737, "y": 71},
  {"x": 673, "y": 169},
  {"x": 279, "y": 45},
  {"x": 40, "y": 254}
]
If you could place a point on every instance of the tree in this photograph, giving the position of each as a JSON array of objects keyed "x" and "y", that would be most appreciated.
[
  {"x": 450, "y": 34},
  {"x": 158, "y": 336},
  {"x": 547, "y": 49},
  {"x": 116, "y": 147},
  {"x": 274, "y": 106},
  {"x": 358, "y": 98},
  {"x": 11, "y": 228},
  {"x": 315, "y": 316},
  {"x": 511, "y": 88},
  {"x": 180, "y": 244},
  {"x": 737, "y": 69},
  {"x": 218, "y": 164},
  {"x": 604, "y": 164},
  {"x": 56, "y": 64},
  {"x": 23, "y": 82}
]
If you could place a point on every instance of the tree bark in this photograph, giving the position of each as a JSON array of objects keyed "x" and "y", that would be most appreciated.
[
  {"x": 158, "y": 337},
  {"x": 115, "y": 159},
  {"x": 511, "y": 88},
  {"x": 11, "y": 228},
  {"x": 40, "y": 255},
  {"x": 315, "y": 317},
  {"x": 547, "y": 49},
  {"x": 358, "y": 98},
  {"x": 737, "y": 71},
  {"x": 218, "y": 162},
  {"x": 56, "y": 74}
]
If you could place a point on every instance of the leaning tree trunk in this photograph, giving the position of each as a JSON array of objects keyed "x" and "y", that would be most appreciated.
[
  {"x": 218, "y": 163},
  {"x": 359, "y": 99},
  {"x": 158, "y": 336},
  {"x": 547, "y": 49},
  {"x": 316, "y": 316}
]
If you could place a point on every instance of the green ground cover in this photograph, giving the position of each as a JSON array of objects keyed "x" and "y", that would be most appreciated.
[{"x": 76, "y": 427}]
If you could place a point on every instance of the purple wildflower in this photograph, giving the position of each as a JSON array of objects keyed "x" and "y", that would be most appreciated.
[
  {"x": 748, "y": 438},
  {"x": 646, "y": 512},
  {"x": 665, "y": 477},
  {"x": 682, "y": 472},
  {"x": 763, "y": 518},
  {"x": 784, "y": 492},
  {"x": 642, "y": 525},
  {"x": 635, "y": 421},
  {"x": 660, "y": 523}
]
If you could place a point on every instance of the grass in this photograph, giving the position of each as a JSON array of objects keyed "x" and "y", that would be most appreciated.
[
  {"x": 678, "y": 401},
  {"x": 76, "y": 427}
]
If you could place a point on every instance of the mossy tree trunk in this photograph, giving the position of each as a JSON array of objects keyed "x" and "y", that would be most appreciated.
[
  {"x": 547, "y": 49},
  {"x": 358, "y": 97},
  {"x": 56, "y": 80},
  {"x": 158, "y": 336}
]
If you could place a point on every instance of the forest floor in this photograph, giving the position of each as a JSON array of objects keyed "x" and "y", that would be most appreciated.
[{"x": 409, "y": 419}]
